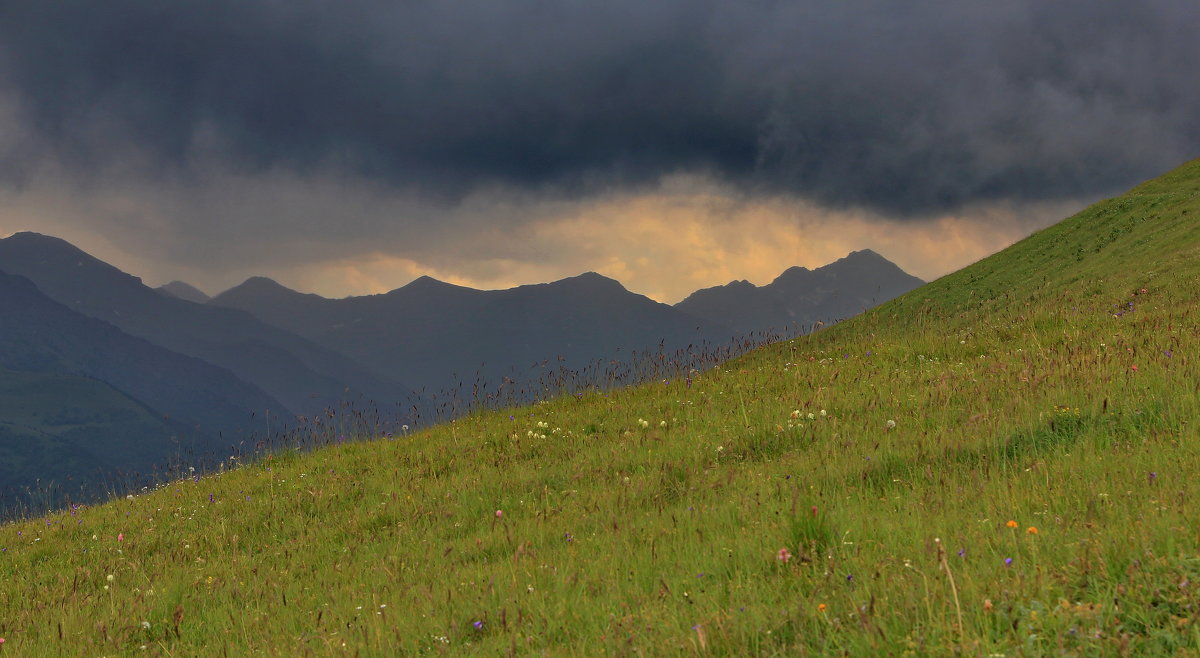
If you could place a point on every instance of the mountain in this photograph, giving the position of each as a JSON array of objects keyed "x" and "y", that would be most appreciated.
[
  {"x": 184, "y": 291},
  {"x": 799, "y": 298},
  {"x": 304, "y": 377},
  {"x": 442, "y": 335},
  {"x": 79, "y": 398}
]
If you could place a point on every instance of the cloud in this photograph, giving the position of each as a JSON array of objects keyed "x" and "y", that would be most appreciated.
[
  {"x": 348, "y": 147},
  {"x": 903, "y": 110}
]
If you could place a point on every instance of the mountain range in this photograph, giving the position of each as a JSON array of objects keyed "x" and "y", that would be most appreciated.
[
  {"x": 111, "y": 374},
  {"x": 81, "y": 398}
]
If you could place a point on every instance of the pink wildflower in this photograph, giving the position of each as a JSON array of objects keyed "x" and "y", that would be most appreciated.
[
  {"x": 120, "y": 536},
  {"x": 784, "y": 555},
  {"x": 499, "y": 513}
]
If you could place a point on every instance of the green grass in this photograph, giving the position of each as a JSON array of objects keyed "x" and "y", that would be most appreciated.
[{"x": 1054, "y": 385}]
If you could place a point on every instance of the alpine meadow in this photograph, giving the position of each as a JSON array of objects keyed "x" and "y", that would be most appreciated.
[{"x": 1001, "y": 462}]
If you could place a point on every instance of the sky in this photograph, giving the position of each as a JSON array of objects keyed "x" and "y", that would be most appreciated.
[{"x": 349, "y": 147}]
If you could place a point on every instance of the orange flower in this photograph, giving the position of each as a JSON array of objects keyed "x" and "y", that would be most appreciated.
[
  {"x": 1031, "y": 530},
  {"x": 1012, "y": 524},
  {"x": 821, "y": 608}
]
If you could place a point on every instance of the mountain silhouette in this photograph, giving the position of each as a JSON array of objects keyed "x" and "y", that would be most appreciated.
[
  {"x": 83, "y": 400},
  {"x": 799, "y": 298},
  {"x": 442, "y": 336},
  {"x": 304, "y": 377}
]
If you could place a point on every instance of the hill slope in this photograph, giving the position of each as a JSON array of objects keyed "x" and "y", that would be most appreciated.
[{"x": 1003, "y": 461}]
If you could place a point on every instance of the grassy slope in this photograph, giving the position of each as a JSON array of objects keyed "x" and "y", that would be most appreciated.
[{"x": 1015, "y": 396}]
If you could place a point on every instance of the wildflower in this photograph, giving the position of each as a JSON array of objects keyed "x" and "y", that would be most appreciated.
[
  {"x": 891, "y": 424},
  {"x": 1153, "y": 476},
  {"x": 821, "y": 607},
  {"x": 1011, "y": 523},
  {"x": 404, "y": 428},
  {"x": 784, "y": 555},
  {"x": 811, "y": 416},
  {"x": 796, "y": 413},
  {"x": 146, "y": 625},
  {"x": 109, "y": 578},
  {"x": 499, "y": 513},
  {"x": 1008, "y": 561},
  {"x": 1133, "y": 368},
  {"x": 987, "y": 605},
  {"x": 120, "y": 536},
  {"x": 662, "y": 423},
  {"x": 823, "y": 414},
  {"x": 478, "y": 625},
  {"x": 1031, "y": 530}
]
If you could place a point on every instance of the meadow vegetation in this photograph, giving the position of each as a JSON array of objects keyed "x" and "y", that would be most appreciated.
[{"x": 1003, "y": 461}]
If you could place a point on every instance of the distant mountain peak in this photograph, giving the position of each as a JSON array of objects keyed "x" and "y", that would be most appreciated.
[
  {"x": 426, "y": 280},
  {"x": 589, "y": 283},
  {"x": 593, "y": 278},
  {"x": 184, "y": 291},
  {"x": 256, "y": 288},
  {"x": 29, "y": 240},
  {"x": 40, "y": 237},
  {"x": 264, "y": 283},
  {"x": 51, "y": 254},
  {"x": 426, "y": 283},
  {"x": 862, "y": 256}
]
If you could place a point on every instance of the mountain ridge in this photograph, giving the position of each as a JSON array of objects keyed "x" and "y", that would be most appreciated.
[{"x": 303, "y": 376}]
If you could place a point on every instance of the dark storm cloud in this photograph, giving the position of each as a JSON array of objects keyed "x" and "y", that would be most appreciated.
[{"x": 903, "y": 108}]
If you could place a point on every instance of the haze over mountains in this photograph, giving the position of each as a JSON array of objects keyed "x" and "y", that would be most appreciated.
[
  {"x": 437, "y": 333},
  {"x": 80, "y": 398},
  {"x": 99, "y": 372},
  {"x": 304, "y": 377}
]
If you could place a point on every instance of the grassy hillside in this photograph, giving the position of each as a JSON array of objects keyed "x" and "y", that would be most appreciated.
[{"x": 1003, "y": 461}]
